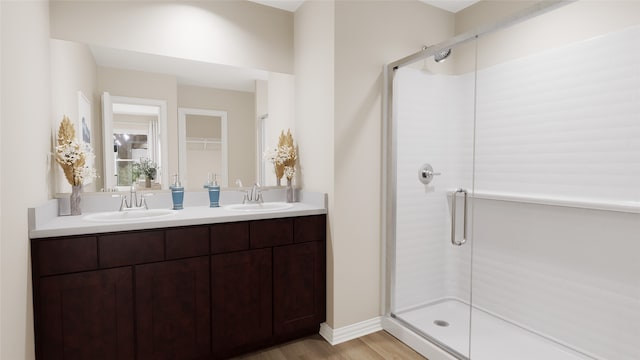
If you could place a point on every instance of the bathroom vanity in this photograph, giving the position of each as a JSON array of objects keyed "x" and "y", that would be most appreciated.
[{"x": 210, "y": 290}]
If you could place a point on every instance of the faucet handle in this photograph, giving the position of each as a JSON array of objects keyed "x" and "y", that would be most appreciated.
[{"x": 123, "y": 201}]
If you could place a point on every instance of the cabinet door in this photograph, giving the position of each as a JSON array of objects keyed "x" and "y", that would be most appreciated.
[
  {"x": 87, "y": 316},
  {"x": 241, "y": 300},
  {"x": 299, "y": 288},
  {"x": 172, "y": 309}
]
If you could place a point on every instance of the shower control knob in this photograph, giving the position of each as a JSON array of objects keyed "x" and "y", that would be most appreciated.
[{"x": 426, "y": 174}]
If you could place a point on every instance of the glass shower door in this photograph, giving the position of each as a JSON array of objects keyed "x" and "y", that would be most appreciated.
[{"x": 434, "y": 129}]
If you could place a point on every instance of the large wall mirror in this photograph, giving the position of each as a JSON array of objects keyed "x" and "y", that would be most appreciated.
[{"x": 224, "y": 111}]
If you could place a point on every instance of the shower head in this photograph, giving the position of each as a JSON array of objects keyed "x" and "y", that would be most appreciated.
[{"x": 442, "y": 55}]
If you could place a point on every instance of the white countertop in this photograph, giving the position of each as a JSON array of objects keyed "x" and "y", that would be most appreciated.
[{"x": 44, "y": 221}]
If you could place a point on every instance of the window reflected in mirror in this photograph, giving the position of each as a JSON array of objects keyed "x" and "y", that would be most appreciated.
[{"x": 133, "y": 142}]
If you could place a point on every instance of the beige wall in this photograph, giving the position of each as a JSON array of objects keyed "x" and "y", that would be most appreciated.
[
  {"x": 262, "y": 108},
  {"x": 26, "y": 144},
  {"x": 280, "y": 107},
  {"x": 73, "y": 69},
  {"x": 362, "y": 48},
  {"x": 240, "y": 108},
  {"x": 314, "y": 112},
  {"x": 202, "y": 158},
  {"x": 237, "y": 33},
  {"x": 340, "y": 50}
]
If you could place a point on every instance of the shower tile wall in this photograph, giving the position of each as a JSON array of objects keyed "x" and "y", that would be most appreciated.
[
  {"x": 436, "y": 127},
  {"x": 564, "y": 123}
]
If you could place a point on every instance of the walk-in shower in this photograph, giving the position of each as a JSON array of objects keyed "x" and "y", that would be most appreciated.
[{"x": 512, "y": 208}]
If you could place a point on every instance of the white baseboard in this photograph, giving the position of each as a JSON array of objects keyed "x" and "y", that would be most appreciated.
[{"x": 350, "y": 332}]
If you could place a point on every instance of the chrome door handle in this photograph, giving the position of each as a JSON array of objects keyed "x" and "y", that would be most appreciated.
[{"x": 454, "y": 197}]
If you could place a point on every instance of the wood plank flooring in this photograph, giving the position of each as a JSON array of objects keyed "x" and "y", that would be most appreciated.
[{"x": 377, "y": 346}]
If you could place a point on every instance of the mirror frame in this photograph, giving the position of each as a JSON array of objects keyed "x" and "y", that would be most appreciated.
[
  {"x": 223, "y": 179},
  {"x": 107, "y": 131}
]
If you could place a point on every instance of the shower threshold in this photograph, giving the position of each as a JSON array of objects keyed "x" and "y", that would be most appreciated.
[{"x": 446, "y": 322}]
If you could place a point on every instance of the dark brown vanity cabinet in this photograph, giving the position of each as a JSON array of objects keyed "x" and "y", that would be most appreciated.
[
  {"x": 241, "y": 301},
  {"x": 197, "y": 292},
  {"x": 172, "y": 309},
  {"x": 87, "y": 315}
]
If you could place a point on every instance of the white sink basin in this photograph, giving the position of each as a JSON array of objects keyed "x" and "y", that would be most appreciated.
[
  {"x": 268, "y": 206},
  {"x": 132, "y": 215}
]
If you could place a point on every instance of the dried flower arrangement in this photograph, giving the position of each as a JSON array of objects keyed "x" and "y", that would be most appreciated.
[
  {"x": 283, "y": 157},
  {"x": 72, "y": 156}
]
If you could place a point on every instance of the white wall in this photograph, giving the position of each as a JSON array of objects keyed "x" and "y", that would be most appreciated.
[
  {"x": 26, "y": 144},
  {"x": 433, "y": 115},
  {"x": 562, "y": 122},
  {"x": 571, "y": 274},
  {"x": 237, "y": 33}
]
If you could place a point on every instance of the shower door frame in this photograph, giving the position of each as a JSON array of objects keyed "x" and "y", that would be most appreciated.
[{"x": 389, "y": 170}]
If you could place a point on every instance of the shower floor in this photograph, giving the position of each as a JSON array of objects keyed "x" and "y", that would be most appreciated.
[{"x": 493, "y": 338}]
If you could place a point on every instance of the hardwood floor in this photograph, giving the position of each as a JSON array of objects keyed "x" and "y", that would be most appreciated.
[{"x": 379, "y": 345}]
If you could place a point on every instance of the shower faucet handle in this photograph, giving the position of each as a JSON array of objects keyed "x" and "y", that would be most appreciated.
[{"x": 426, "y": 174}]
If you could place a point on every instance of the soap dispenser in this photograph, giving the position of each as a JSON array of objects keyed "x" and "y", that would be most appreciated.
[
  {"x": 214, "y": 191},
  {"x": 177, "y": 193}
]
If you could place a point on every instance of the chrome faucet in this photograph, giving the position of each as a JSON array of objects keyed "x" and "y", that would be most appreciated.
[
  {"x": 133, "y": 203},
  {"x": 253, "y": 196}
]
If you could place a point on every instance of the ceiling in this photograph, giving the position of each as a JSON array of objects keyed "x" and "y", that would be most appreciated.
[{"x": 449, "y": 5}]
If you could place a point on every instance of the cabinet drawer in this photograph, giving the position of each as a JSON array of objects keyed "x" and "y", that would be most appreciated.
[
  {"x": 229, "y": 237},
  {"x": 187, "y": 242},
  {"x": 65, "y": 255},
  {"x": 131, "y": 248},
  {"x": 272, "y": 232},
  {"x": 309, "y": 228}
]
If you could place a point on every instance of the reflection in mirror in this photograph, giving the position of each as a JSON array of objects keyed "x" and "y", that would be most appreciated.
[
  {"x": 246, "y": 95},
  {"x": 202, "y": 136},
  {"x": 134, "y": 131}
]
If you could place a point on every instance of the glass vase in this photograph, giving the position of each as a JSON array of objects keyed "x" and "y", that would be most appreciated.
[
  {"x": 289, "y": 191},
  {"x": 75, "y": 200}
]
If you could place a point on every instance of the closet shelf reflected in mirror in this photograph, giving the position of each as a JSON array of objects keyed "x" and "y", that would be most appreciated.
[{"x": 196, "y": 143}]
